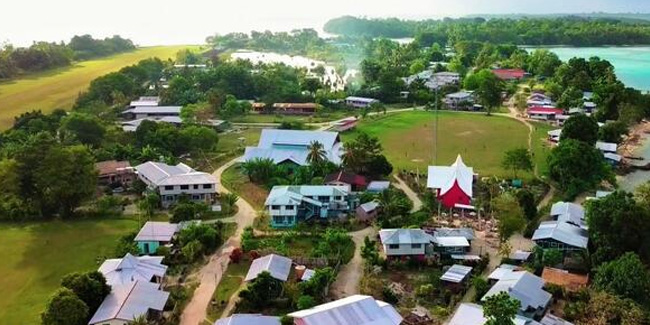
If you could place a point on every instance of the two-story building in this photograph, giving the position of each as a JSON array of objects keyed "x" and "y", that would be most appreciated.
[
  {"x": 459, "y": 100},
  {"x": 171, "y": 182},
  {"x": 289, "y": 204}
]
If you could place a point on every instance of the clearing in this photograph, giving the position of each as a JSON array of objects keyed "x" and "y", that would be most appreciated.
[
  {"x": 36, "y": 255},
  {"x": 58, "y": 88},
  {"x": 408, "y": 139}
]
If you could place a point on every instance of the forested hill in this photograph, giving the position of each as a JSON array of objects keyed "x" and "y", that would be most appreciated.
[
  {"x": 42, "y": 56},
  {"x": 576, "y": 31}
]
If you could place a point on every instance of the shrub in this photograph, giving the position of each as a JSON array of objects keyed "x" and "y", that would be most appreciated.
[
  {"x": 389, "y": 296},
  {"x": 305, "y": 302}
]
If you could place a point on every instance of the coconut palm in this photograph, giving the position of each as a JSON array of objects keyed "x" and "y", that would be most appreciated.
[{"x": 316, "y": 153}]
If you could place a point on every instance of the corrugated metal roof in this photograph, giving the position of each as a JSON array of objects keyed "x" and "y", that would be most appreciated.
[
  {"x": 465, "y": 257},
  {"x": 562, "y": 232},
  {"x": 551, "y": 319},
  {"x": 606, "y": 146},
  {"x": 160, "y": 174},
  {"x": 362, "y": 99},
  {"x": 502, "y": 270},
  {"x": 444, "y": 177},
  {"x": 353, "y": 310},
  {"x": 472, "y": 314},
  {"x": 125, "y": 270},
  {"x": 569, "y": 212},
  {"x": 293, "y": 145},
  {"x": 523, "y": 286},
  {"x": 451, "y": 241},
  {"x": 404, "y": 236},
  {"x": 369, "y": 206},
  {"x": 170, "y": 110},
  {"x": 294, "y": 195},
  {"x": 468, "y": 233},
  {"x": 157, "y": 231},
  {"x": 520, "y": 255},
  {"x": 248, "y": 319},
  {"x": 377, "y": 186},
  {"x": 126, "y": 302},
  {"x": 279, "y": 267},
  {"x": 456, "y": 273}
]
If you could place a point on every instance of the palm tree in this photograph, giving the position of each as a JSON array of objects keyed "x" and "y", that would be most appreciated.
[
  {"x": 140, "y": 320},
  {"x": 316, "y": 153}
]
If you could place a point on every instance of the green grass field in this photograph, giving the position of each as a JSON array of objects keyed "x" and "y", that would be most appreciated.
[
  {"x": 59, "y": 88},
  {"x": 541, "y": 148},
  {"x": 408, "y": 139},
  {"x": 35, "y": 256}
]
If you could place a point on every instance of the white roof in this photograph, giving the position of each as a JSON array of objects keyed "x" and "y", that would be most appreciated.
[
  {"x": 520, "y": 255},
  {"x": 569, "y": 212},
  {"x": 523, "y": 286},
  {"x": 377, "y": 186},
  {"x": 472, "y": 314},
  {"x": 456, "y": 273},
  {"x": 353, "y": 310},
  {"x": 554, "y": 133},
  {"x": 606, "y": 146},
  {"x": 126, "y": 302},
  {"x": 157, "y": 231},
  {"x": 146, "y": 101},
  {"x": 562, "y": 232},
  {"x": 248, "y": 319},
  {"x": 404, "y": 236},
  {"x": 444, "y": 177},
  {"x": 613, "y": 156},
  {"x": 468, "y": 233},
  {"x": 465, "y": 257},
  {"x": 279, "y": 267},
  {"x": 160, "y": 174},
  {"x": 459, "y": 95},
  {"x": 125, "y": 270},
  {"x": 458, "y": 241},
  {"x": 361, "y": 99},
  {"x": 550, "y": 319},
  {"x": 502, "y": 270},
  {"x": 167, "y": 110},
  {"x": 295, "y": 195},
  {"x": 369, "y": 206}
]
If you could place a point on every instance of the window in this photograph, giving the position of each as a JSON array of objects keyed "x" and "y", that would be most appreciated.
[
  {"x": 416, "y": 246},
  {"x": 169, "y": 188},
  {"x": 185, "y": 187},
  {"x": 393, "y": 246},
  {"x": 275, "y": 207},
  {"x": 196, "y": 187},
  {"x": 207, "y": 186},
  {"x": 278, "y": 219},
  {"x": 289, "y": 207},
  {"x": 337, "y": 198}
]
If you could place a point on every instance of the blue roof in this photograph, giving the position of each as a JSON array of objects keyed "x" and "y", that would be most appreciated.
[
  {"x": 562, "y": 232},
  {"x": 293, "y": 145},
  {"x": 377, "y": 186},
  {"x": 294, "y": 195}
]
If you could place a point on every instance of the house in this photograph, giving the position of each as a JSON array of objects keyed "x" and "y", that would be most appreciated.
[
  {"x": 501, "y": 271},
  {"x": 345, "y": 124},
  {"x": 377, "y": 186},
  {"x": 433, "y": 81},
  {"x": 520, "y": 256},
  {"x": 132, "y": 125},
  {"x": 453, "y": 184},
  {"x": 258, "y": 107},
  {"x": 368, "y": 211},
  {"x": 455, "y": 245},
  {"x": 113, "y": 171},
  {"x": 172, "y": 182},
  {"x": 292, "y": 146},
  {"x": 405, "y": 242},
  {"x": 456, "y": 273},
  {"x": 509, "y": 74},
  {"x": 550, "y": 319},
  {"x": 569, "y": 212},
  {"x": 140, "y": 112},
  {"x": 570, "y": 281},
  {"x": 554, "y": 135},
  {"x": 589, "y": 107},
  {"x": 606, "y": 147},
  {"x": 248, "y": 319},
  {"x": 145, "y": 101},
  {"x": 352, "y": 310},
  {"x": 543, "y": 113},
  {"x": 129, "y": 301},
  {"x": 359, "y": 102},
  {"x": 119, "y": 271},
  {"x": 289, "y": 204},
  {"x": 341, "y": 178},
  {"x": 155, "y": 234},
  {"x": 525, "y": 287},
  {"x": 613, "y": 159},
  {"x": 278, "y": 266},
  {"x": 295, "y": 108},
  {"x": 468, "y": 233},
  {"x": 472, "y": 314},
  {"x": 459, "y": 100},
  {"x": 561, "y": 235},
  {"x": 539, "y": 99}
]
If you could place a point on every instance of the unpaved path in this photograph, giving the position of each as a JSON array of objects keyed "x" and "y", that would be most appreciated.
[
  {"x": 348, "y": 278},
  {"x": 417, "y": 203},
  {"x": 210, "y": 275}
]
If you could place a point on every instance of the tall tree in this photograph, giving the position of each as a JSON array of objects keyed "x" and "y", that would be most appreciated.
[
  {"x": 626, "y": 277},
  {"x": 90, "y": 287},
  {"x": 489, "y": 90},
  {"x": 500, "y": 309},
  {"x": 582, "y": 128},
  {"x": 316, "y": 154},
  {"x": 509, "y": 214},
  {"x": 65, "y": 308},
  {"x": 516, "y": 160}
]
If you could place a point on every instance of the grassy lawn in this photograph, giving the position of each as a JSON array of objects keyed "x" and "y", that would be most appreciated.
[
  {"x": 408, "y": 139},
  {"x": 541, "y": 147},
  {"x": 233, "y": 179},
  {"x": 277, "y": 118},
  {"x": 59, "y": 88},
  {"x": 229, "y": 147},
  {"x": 229, "y": 284},
  {"x": 35, "y": 256}
]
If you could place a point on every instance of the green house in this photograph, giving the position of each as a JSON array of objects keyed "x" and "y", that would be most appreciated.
[{"x": 155, "y": 234}]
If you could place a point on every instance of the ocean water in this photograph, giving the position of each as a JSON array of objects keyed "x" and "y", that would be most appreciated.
[{"x": 632, "y": 63}]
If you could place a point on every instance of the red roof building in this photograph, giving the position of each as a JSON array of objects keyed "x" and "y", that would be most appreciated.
[
  {"x": 509, "y": 74},
  {"x": 453, "y": 184},
  {"x": 356, "y": 182},
  {"x": 544, "y": 113}
]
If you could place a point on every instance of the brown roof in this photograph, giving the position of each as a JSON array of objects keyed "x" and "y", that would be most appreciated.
[
  {"x": 563, "y": 278},
  {"x": 110, "y": 166},
  {"x": 347, "y": 178}
]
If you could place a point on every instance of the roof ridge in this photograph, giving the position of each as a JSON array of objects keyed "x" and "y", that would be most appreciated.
[
  {"x": 160, "y": 169},
  {"x": 135, "y": 283}
]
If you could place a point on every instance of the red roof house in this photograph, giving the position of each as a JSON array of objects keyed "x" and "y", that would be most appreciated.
[
  {"x": 509, "y": 74},
  {"x": 544, "y": 113},
  {"x": 356, "y": 182},
  {"x": 453, "y": 184}
]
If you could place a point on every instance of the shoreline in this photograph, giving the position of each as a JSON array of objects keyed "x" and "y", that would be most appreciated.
[{"x": 637, "y": 139}]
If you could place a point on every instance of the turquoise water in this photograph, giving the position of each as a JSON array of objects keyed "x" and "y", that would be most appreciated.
[{"x": 632, "y": 64}]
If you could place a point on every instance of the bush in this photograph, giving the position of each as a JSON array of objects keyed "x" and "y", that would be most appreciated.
[
  {"x": 236, "y": 255},
  {"x": 389, "y": 296},
  {"x": 305, "y": 302}
]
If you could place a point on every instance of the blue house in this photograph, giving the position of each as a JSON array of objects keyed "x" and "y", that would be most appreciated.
[
  {"x": 292, "y": 146},
  {"x": 289, "y": 204},
  {"x": 155, "y": 234}
]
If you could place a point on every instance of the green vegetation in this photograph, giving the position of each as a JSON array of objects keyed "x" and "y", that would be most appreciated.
[
  {"x": 230, "y": 282},
  {"x": 541, "y": 148},
  {"x": 35, "y": 256},
  {"x": 59, "y": 88},
  {"x": 408, "y": 139},
  {"x": 236, "y": 181}
]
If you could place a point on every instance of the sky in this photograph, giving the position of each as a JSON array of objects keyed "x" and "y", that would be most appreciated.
[{"x": 163, "y": 22}]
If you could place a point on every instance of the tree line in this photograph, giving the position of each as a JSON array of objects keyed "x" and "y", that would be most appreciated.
[
  {"x": 576, "y": 31},
  {"x": 41, "y": 56}
]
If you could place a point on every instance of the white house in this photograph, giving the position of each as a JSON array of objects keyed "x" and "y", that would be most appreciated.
[
  {"x": 118, "y": 271},
  {"x": 433, "y": 80},
  {"x": 461, "y": 99},
  {"x": 352, "y": 310},
  {"x": 248, "y": 319},
  {"x": 472, "y": 314},
  {"x": 405, "y": 242},
  {"x": 544, "y": 113},
  {"x": 606, "y": 147},
  {"x": 129, "y": 301},
  {"x": 525, "y": 287},
  {"x": 139, "y": 112},
  {"x": 289, "y": 204},
  {"x": 173, "y": 181},
  {"x": 359, "y": 102},
  {"x": 292, "y": 146}
]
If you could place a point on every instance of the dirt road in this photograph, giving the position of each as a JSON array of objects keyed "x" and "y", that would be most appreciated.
[
  {"x": 417, "y": 203},
  {"x": 347, "y": 281},
  {"x": 210, "y": 275}
]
